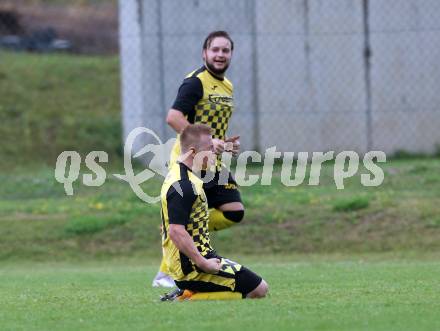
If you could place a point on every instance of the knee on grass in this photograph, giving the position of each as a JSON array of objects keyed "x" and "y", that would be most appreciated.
[{"x": 260, "y": 291}]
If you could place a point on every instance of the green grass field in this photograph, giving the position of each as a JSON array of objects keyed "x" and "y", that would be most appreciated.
[
  {"x": 402, "y": 214},
  {"x": 306, "y": 293},
  {"x": 86, "y": 262},
  {"x": 57, "y": 102},
  {"x": 353, "y": 259}
]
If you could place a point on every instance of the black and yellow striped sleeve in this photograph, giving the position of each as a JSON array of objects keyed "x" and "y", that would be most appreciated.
[{"x": 180, "y": 200}]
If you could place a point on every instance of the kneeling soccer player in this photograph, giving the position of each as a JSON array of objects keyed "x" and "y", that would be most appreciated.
[{"x": 195, "y": 267}]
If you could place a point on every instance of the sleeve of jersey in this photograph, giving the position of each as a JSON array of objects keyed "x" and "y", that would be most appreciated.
[
  {"x": 190, "y": 92},
  {"x": 180, "y": 199}
]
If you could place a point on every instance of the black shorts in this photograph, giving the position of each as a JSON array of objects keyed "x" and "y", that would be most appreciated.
[
  {"x": 220, "y": 191},
  {"x": 245, "y": 282},
  {"x": 232, "y": 277}
]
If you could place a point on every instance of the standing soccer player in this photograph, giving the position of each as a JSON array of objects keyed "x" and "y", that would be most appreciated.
[{"x": 206, "y": 96}]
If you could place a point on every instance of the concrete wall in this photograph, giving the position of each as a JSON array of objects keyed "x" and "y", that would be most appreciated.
[
  {"x": 299, "y": 70},
  {"x": 405, "y": 39}
]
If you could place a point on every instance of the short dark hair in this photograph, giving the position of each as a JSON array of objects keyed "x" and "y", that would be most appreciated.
[
  {"x": 190, "y": 136},
  {"x": 216, "y": 34}
]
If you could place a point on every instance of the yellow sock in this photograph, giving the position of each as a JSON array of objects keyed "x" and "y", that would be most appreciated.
[
  {"x": 218, "y": 221},
  {"x": 216, "y": 296}
]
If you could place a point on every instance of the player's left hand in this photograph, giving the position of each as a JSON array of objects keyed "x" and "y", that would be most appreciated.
[
  {"x": 232, "y": 145},
  {"x": 219, "y": 146}
]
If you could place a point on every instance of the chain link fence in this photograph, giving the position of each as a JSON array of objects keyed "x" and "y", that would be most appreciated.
[{"x": 308, "y": 75}]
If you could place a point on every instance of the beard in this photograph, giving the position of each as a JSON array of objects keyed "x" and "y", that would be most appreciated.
[{"x": 216, "y": 71}]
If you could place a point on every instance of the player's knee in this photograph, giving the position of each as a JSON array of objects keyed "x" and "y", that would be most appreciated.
[
  {"x": 234, "y": 215},
  {"x": 260, "y": 291},
  {"x": 263, "y": 289}
]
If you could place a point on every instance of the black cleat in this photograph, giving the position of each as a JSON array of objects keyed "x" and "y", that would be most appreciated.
[{"x": 171, "y": 296}]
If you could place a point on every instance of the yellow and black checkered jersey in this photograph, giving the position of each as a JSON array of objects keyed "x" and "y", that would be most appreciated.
[
  {"x": 205, "y": 98},
  {"x": 184, "y": 202}
]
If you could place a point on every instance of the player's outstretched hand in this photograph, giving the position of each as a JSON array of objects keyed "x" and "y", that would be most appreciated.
[
  {"x": 219, "y": 146},
  {"x": 211, "y": 266},
  {"x": 233, "y": 145}
]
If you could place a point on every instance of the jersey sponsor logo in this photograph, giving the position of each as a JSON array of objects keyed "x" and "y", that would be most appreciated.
[{"x": 220, "y": 99}]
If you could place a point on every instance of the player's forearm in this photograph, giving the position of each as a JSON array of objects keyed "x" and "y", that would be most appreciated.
[
  {"x": 177, "y": 120},
  {"x": 185, "y": 244}
]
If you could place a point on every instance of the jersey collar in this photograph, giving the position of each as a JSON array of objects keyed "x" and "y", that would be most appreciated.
[{"x": 213, "y": 75}]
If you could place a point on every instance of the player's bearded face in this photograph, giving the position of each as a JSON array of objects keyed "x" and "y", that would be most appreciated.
[{"x": 218, "y": 55}]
